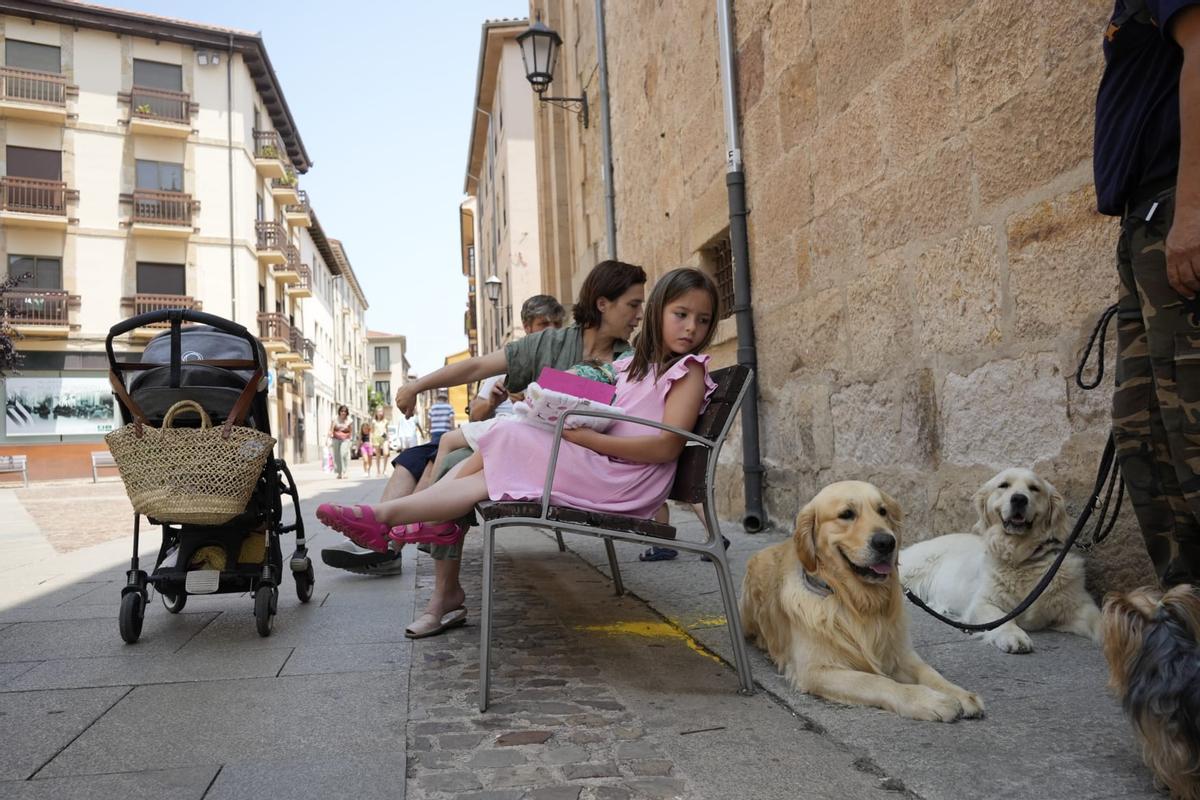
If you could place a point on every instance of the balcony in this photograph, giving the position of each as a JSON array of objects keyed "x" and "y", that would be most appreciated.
[
  {"x": 302, "y": 287},
  {"x": 162, "y": 214},
  {"x": 160, "y": 112},
  {"x": 145, "y": 303},
  {"x": 270, "y": 158},
  {"x": 298, "y": 213},
  {"x": 299, "y": 354},
  {"x": 39, "y": 312},
  {"x": 286, "y": 190},
  {"x": 35, "y": 203},
  {"x": 38, "y": 96},
  {"x": 271, "y": 242},
  {"x": 288, "y": 272},
  {"x": 274, "y": 331}
]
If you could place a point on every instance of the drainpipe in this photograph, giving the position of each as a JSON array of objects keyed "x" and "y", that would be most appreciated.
[
  {"x": 747, "y": 353},
  {"x": 233, "y": 315},
  {"x": 610, "y": 203}
]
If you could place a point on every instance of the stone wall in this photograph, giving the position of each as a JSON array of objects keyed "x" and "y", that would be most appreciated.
[{"x": 926, "y": 258}]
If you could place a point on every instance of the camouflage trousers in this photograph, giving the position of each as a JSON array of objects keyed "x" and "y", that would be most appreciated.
[{"x": 1156, "y": 404}]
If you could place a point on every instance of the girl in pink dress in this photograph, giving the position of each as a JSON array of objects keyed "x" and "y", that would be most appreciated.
[{"x": 626, "y": 470}]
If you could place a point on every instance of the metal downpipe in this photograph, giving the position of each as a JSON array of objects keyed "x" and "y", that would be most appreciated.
[
  {"x": 754, "y": 518},
  {"x": 610, "y": 195}
]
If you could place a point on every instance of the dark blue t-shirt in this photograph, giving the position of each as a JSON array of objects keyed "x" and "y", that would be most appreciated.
[{"x": 1137, "y": 106}]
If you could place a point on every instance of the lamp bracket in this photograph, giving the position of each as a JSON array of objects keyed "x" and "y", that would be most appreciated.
[{"x": 577, "y": 104}]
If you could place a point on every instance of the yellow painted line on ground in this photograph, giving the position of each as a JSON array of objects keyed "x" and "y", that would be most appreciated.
[
  {"x": 649, "y": 630},
  {"x": 709, "y": 622}
]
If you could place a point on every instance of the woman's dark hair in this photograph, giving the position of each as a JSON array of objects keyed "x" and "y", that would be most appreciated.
[
  {"x": 650, "y": 355},
  {"x": 608, "y": 279},
  {"x": 341, "y": 409}
]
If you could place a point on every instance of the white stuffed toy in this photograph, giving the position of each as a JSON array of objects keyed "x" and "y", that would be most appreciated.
[{"x": 545, "y": 406}]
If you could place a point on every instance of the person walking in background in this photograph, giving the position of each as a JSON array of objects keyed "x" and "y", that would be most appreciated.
[
  {"x": 380, "y": 442},
  {"x": 340, "y": 431},
  {"x": 366, "y": 450},
  {"x": 441, "y": 416}
]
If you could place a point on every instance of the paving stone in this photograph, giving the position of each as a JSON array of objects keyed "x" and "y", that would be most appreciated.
[
  {"x": 523, "y": 775},
  {"x": 460, "y": 741},
  {"x": 488, "y": 759},
  {"x": 605, "y": 793},
  {"x": 657, "y": 788},
  {"x": 628, "y": 751},
  {"x": 514, "y": 738},
  {"x": 580, "y": 771},
  {"x": 655, "y": 767},
  {"x": 362, "y": 777},
  {"x": 222, "y": 663},
  {"x": 554, "y": 793},
  {"x": 437, "y": 759},
  {"x": 176, "y": 784},
  {"x": 438, "y": 727},
  {"x": 450, "y": 782},
  {"x": 566, "y": 755},
  {"x": 503, "y": 794},
  {"x": 34, "y": 726}
]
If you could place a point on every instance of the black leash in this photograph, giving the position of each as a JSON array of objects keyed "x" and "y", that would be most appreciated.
[{"x": 1108, "y": 474}]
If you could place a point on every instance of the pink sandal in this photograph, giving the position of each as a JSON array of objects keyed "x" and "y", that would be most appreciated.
[
  {"x": 444, "y": 533},
  {"x": 364, "y": 530}
]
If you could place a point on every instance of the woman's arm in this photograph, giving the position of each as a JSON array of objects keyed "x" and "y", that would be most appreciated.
[
  {"x": 682, "y": 409},
  {"x": 473, "y": 369}
]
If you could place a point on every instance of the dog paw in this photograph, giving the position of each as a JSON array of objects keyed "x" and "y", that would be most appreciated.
[
  {"x": 972, "y": 705},
  {"x": 930, "y": 705},
  {"x": 1017, "y": 641}
]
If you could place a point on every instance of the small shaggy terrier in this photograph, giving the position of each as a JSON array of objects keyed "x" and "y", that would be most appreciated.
[{"x": 1150, "y": 642}]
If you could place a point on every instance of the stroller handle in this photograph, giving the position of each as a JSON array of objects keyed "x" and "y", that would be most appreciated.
[{"x": 183, "y": 315}]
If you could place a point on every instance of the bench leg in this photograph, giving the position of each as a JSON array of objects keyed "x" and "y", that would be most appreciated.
[
  {"x": 618, "y": 584},
  {"x": 733, "y": 620},
  {"x": 562, "y": 546},
  {"x": 485, "y": 618}
]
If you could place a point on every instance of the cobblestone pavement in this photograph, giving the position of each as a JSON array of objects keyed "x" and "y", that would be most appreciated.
[{"x": 109, "y": 514}]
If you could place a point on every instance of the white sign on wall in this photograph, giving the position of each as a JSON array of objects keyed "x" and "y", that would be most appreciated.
[{"x": 58, "y": 406}]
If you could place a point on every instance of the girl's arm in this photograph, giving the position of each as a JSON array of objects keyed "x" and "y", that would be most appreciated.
[{"x": 682, "y": 409}]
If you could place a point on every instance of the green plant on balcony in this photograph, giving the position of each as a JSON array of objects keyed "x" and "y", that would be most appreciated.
[
  {"x": 10, "y": 359},
  {"x": 268, "y": 151},
  {"x": 289, "y": 180},
  {"x": 143, "y": 108}
]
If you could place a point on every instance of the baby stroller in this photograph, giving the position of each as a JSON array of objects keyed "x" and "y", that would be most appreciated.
[{"x": 213, "y": 363}]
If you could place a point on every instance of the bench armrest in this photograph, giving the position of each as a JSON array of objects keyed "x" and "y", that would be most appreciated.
[{"x": 649, "y": 423}]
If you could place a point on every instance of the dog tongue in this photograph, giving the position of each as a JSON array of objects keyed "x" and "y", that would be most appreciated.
[{"x": 882, "y": 568}]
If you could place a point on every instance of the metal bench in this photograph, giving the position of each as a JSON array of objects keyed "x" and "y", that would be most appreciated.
[
  {"x": 16, "y": 464},
  {"x": 102, "y": 459},
  {"x": 695, "y": 475}
]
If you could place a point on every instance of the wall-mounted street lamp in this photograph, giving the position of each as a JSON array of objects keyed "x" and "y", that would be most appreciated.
[
  {"x": 491, "y": 288},
  {"x": 539, "y": 50}
]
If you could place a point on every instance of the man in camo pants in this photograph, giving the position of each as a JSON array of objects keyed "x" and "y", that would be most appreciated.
[{"x": 1147, "y": 168}]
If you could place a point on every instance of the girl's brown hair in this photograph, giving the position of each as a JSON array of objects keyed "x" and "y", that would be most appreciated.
[
  {"x": 649, "y": 352},
  {"x": 608, "y": 279}
]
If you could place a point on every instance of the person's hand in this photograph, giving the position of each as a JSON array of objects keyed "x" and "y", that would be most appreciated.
[
  {"x": 579, "y": 436},
  {"x": 406, "y": 400},
  {"x": 1183, "y": 250},
  {"x": 497, "y": 395}
]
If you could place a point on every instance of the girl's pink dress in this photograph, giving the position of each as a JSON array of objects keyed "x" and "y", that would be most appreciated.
[{"x": 515, "y": 454}]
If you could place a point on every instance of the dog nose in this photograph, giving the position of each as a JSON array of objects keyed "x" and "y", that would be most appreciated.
[
  {"x": 1019, "y": 501},
  {"x": 883, "y": 543}
]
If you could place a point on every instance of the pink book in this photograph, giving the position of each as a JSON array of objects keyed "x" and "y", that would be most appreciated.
[{"x": 568, "y": 383}]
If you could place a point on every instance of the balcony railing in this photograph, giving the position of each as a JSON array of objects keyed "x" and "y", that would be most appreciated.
[
  {"x": 288, "y": 181},
  {"x": 305, "y": 282},
  {"x": 163, "y": 105},
  {"x": 38, "y": 306},
  {"x": 29, "y": 86},
  {"x": 35, "y": 196},
  {"x": 271, "y": 236},
  {"x": 268, "y": 144},
  {"x": 145, "y": 303},
  {"x": 274, "y": 326},
  {"x": 163, "y": 208},
  {"x": 298, "y": 208}
]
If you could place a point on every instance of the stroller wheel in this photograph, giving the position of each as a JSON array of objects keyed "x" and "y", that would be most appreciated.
[
  {"x": 133, "y": 610},
  {"x": 173, "y": 603},
  {"x": 304, "y": 583},
  {"x": 264, "y": 609}
]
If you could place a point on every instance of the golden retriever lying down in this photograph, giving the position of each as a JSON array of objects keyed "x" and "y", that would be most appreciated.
[{"x": 827, "y": 607}]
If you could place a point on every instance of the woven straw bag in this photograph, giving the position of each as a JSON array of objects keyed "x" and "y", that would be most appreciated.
[{"x": 201, "y": 476}]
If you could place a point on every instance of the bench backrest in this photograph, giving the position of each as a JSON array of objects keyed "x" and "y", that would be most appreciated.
[
  {"x": 691, "y": 473},
  {"x": 103, "y": 456},
  {"x": 12, "y": 462}
]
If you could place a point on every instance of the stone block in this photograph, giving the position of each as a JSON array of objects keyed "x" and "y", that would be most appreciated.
[
  {"x": 789, "y": 32},
  {"x": 177, "y": 784},
  {"x": 835, "y": 241},
  {"x": 580, "y": 771},
  {"x": 760, "y": 135},
  {"x": 1067, "y": 27},
  {"x": 847, "y": 150},
  {"x": 856, "y": 40},
  {"x": 888, "y": 423},
  {"x": 750, "y": 72},
  {"x": 951, "y": 509},
  {"x": 781, "y": 205},
  {"x": 796, "y": 97},
  {"x": 35, "y": 726},
  {"x": 922, "y": 16},
  {"x": 802, "y": 337},
  {"x": 489, "y": 759},
  {"x": 554, "y": 793},
  {"x": 1039, "y": 134},
  {"x": 514, "y": 738},
  {"x": 930, "y": 197},
  {"x": 1061, "y": 264},
  {"x": 958, "y": 294},
  {"x": 450, "y": 782},
  {"x": 919, "y": 115},
  {"x": 795, "y": 424},
  {"x": 993, "y": 68},
  {"x": 523, "y": 775},
  {"x": 1010, "y": 412},
  {"x": 878, "y": 327}
]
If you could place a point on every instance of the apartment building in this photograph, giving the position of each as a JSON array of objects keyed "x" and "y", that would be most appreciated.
[
  {"x": 502, "y": 246},
  {"x": 153, "y": 163}
]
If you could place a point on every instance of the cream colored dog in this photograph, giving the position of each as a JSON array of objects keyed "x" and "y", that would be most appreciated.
[
  {"x": 981, "y": 576},
  {"x": 826, "y": 606}
]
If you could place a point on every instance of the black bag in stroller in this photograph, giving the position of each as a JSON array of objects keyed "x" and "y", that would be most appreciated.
[{"x": 221, "y": 366}]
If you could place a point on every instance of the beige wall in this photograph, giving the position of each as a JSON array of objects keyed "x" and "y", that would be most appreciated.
[{"x": 926, "y": 259}]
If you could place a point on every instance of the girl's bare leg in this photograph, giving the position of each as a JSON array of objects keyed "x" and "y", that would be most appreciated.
[
  {"x": 444, "y": 500},
  {"x": 450, "y": 441}
]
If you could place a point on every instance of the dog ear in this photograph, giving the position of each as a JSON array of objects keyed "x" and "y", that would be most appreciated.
[
  {"x": 805, "y": 537},
  {"x": 894, "y": 514},
  {"x": 1122, "y": 625},
  {"x": 981, "y": 510},
  {"x": 1058, "y": 524},
  {"x": 1182, "y": 603}
]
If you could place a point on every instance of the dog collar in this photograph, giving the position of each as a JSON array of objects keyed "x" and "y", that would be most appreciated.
[{"x": 814, "y": 584}]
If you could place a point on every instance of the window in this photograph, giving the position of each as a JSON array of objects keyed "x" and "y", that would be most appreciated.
[
  {"x": 504, "y": 200},
  {"x": 155, "y": 278},
  {"x": 33, "y": 162},
  {"x": 262, "y": 297},
  {"x": 260, "y": 211},
  {"x": 156, "y": 75},
  {"x": 27, "y": 55},
  {"x": 159, "y": 176},
  {"x": 717, "y": 260},
  {"x": 384, "y": 388},
  {"x": 45, "y": 273},
  {"x": 383, "y": 359}
]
